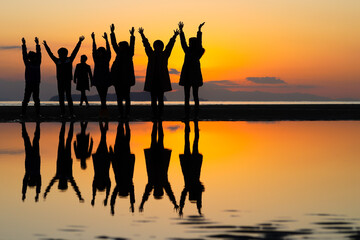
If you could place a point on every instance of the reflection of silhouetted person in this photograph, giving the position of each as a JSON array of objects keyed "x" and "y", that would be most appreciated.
[
  {"x": 64, "y": 164},
  {"x": 32, "y": 63},
  {"x": 191, "y": 169},
  {"x": 157, "y": 79},
  {"x": 81, "y": 145},
  {"x": 101, "y": 162},
  {"x": 102, "y": 82},
  {"x": 122, "y": 70},
  {"x": 191, "y": 72},
  {"x": 32, "y": 176},
  {"x": 82, "y": 76},
  {"x": 157, "y": 164},
  {"x": 64, "y": 74},
  {"x": 123, "y": 165}
]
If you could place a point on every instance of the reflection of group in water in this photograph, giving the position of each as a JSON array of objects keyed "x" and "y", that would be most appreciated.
[
  {"x": 119, "y": 156},
  {"x": 121, "y": 75}
]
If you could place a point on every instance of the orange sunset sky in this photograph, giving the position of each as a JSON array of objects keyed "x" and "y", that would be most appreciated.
[{"x": 302, "y": 46}]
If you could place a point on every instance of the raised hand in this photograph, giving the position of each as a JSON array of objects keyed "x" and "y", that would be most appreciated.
[
  {"x": 176, "y": 32},
  {"x": 181, "y": 25},
  {"x": 141, "y": 30},
  {"x": 37, "y": 41},
  {"x": 132, "y": 31},
  {"x": 112, "y": 28},
  {"x": 81, "y": 38},
  {"x": 23, "y": 41},
  {"x": 105, "y": 36},
  {"x": 200, "y": 26},
  {"x": 93, "y": 35},
  {"x": 44, "y": 42}
]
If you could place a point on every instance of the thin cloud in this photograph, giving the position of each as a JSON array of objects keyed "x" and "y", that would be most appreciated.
[
  {"x": 265, "y": 80},
  {"x": 11, "y": 151},
  {"x": 9, "y": 47},
  {"x": 174, "y": 71}
]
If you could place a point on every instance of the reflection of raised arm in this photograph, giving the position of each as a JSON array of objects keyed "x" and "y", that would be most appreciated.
[
  {"x": 113, "y": 38},
  {"x": 76, "y": 189},
  {"x": 171, "y": 43},
  {"x": 24, "y": 50},
  {"x": 76, "y": 49},
  {"x": 145, "y": 197},
  {"x": 51, "y": 55},
  {"x": 145, "y": 41},
  {"x": 47, "y": 190},
  {"x": 113, "y": 199},
  {"x": 182, "y": 37},
  {"x": 171, "y": 195},
  {"x": 38, "y": 51},
  {"x": 108, "y": 51}
]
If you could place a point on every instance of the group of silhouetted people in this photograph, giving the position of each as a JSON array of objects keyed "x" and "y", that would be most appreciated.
[
  {"x": 122, "y": 161},
  {"x": 121, "y": 74}
]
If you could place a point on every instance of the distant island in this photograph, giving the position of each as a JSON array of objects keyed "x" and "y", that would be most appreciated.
[{"x": 134, "y": 96}]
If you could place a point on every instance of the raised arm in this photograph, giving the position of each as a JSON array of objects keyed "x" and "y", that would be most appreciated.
[
  {"x": 38, "y": 51},
  {"x": 132, "y": 41},
  {"x": 171, "y": 43},
  {"x": 182, "y": 37},
  {"x": 76, "y": 49},
  {"x": 113, "y": 38},
  {"x": 93, "y": 45},
  {"x": 199, "y": 34},
  {"x": 51, "y": 55},
  {"x": 145, "y": 41},
  {"x": 108, "y": 51},
  {"x": 24, "y": 51}
]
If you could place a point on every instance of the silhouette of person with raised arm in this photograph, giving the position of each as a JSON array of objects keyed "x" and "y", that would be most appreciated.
[
  {"x": 82, "y": 148},
  {"x": 123, "y": 162},
  {"x": 32, "y": 61},
  {"x": 64, "y": 74},
  {"x": 191, "y": 168},
  {"x": 122, "y": 70},
  {"x": 101, "y": 162},
  {"x": 64, "y": 164},
  {"x": 82, "y": 76},
  {"x": 157, "y": 165},
  {"x": 32, "y": 176},
  {"x": 157, "y": 80},
  {"x": 191, "y": 76},
  {"x": 102, "y": 79}
]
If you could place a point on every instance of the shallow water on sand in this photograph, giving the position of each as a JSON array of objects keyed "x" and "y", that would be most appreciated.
[{"x": 265, "y": 180}]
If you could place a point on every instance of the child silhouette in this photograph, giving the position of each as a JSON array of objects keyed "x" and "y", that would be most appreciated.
[
  {"x": 157, "y": 79},
  {"x": 64, "y": 74},
  {"x": 81, "y": 78},
  {"x": 122, "y": 70},
  {"x": 191, "y": 72},
  {"x": 32, "y": 61}
]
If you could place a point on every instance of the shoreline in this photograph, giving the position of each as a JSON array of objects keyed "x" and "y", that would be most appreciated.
[{"x": 261, "y": 112}]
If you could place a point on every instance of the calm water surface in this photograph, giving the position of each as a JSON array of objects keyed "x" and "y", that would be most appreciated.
[{"x": 206, "y": 180}]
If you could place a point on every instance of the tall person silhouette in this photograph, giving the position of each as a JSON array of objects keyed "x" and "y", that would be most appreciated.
[
  {"x": 64, "y": 74},
  {"x": 123, "y": 162},
  {"x": 122, "y": 70},
  {"x": 101, "y": 162},
  {"x": 191, "y": 168},
  {"x": 64, "y": 164},
  {"x": 32, "y": 61},
  {"x": 102, "y": 79},
  {"x": 157, "y": 80},
  {"x": 82, "y": 148},
  {"x": 32, "y": 177},
  {"x": 82, "y": 76},
  {"x": 157, "y": 165},
  {"x": 191, "y": 76}
]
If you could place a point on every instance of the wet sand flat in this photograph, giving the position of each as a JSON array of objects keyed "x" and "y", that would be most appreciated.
[{"x": 266, "y": 112}]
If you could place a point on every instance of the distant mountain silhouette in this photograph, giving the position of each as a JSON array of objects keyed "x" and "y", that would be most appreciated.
[{"x": 134, "y": 96}]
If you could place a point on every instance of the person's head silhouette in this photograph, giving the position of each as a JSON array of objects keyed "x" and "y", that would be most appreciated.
[
  {"x": 158, "y": 46},
  {"x": 158, "y": 192},
  {"x": 63, "y": 52},
  {"x": 193, "y": 42},
  {"x": 32, "y": 56},
  {"x": 101, "y": 51},
  {"x": 123, "y": 45},
  {"x": 83, "y": 58},
  {"x": 63, "y": 184}
]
